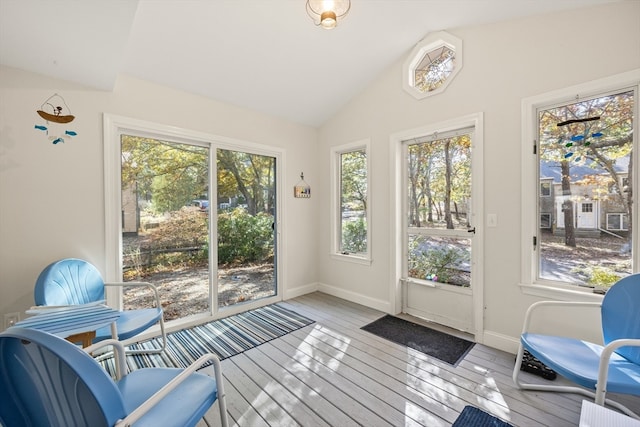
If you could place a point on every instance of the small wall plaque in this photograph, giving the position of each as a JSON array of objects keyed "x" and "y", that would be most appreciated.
[{"x": 302, "y": 189}]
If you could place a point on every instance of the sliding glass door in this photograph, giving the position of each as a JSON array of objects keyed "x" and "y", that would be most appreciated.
[
  {"x": 195, "y": 217},
  {"x": 246, "y": 217},
  {"x": 165, "y": 223}
]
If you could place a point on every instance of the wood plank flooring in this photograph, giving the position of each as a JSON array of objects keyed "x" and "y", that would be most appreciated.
[{"x": 331, "y": 373}]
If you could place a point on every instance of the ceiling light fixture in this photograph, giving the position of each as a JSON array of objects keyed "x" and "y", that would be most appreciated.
[{"x": 327, "y": 12}]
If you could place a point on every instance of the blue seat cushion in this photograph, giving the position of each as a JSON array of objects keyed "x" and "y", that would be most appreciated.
[
  {"x": 194, "y": 396},
  {"x": 131, "y": 323},
  {"x": 578, "y": 361}
]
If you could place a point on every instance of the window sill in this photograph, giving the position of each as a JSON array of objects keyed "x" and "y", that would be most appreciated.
[
  {"x": 352, "y": 259},
  {"x": 559, "y": 294}
]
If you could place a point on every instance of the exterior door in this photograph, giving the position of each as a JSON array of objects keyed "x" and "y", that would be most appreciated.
[
  {"x": 587, "y": 215},
  {"x": 439, "y": 228}
]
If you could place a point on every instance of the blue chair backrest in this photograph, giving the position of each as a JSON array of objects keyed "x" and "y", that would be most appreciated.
[
  {"x": 47, "y": 381},
  {"x": 67, "y": 282},
  {"x": 621, "y": 315}
]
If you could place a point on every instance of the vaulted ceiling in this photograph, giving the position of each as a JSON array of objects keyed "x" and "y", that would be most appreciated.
[{"x": 266, "y": 55}]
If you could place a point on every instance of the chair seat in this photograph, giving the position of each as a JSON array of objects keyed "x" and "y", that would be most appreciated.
[
  {"x": 194, "y": 396},
  {"x": 47, "y": 381},
  {"x": 579, "y": 360},
  {"x": 131, "y": 323}
]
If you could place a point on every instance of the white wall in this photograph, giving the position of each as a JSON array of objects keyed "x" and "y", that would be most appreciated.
[
  {"x": 503, "y": 63},
  {"x": 52, "y": 196},
  {"x": 52, "y": 201}
]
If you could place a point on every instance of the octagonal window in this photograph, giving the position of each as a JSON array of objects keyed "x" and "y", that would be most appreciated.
[{"x": 432, "y": 65}]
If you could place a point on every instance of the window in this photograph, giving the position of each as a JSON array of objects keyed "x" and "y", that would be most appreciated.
[
  {"x": 439, "y": 207},
  {"x": 432, "y": 65},
  {"x": 351, "y": 201},
  {"x": 617, "y": 221},
  {"x": 584, "y": 145}
]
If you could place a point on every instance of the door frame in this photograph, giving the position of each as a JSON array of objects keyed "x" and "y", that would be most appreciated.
[
  {"x": 113, "y": 127},
  {"x": 475, "y": 120}
]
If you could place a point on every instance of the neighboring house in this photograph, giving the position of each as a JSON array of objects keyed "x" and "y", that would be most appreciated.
[{"x": 598, "y": 201}]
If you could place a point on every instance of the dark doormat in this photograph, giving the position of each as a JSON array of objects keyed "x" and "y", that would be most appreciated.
[
  {"x": 474, "y": 417},
  {"x": 434, "y": 343}
]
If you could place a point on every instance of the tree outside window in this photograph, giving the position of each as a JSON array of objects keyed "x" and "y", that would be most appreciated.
[
  {"x": 353, "y": 202},
  {"x": 585, "y": 148}
]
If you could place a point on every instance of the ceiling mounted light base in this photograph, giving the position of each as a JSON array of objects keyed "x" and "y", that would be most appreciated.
[{"x": 326, "y": 13}]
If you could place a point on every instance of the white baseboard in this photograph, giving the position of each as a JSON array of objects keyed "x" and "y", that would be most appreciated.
[
  {"x": 300, "y": 290},
  {"x": 384, "y": 306},
  {"x": 488, "y": 338},
  {"x": 501, "y": 341}
]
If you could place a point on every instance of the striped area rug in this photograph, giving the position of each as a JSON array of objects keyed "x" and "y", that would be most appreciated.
[{"x": 225, "y": 337}]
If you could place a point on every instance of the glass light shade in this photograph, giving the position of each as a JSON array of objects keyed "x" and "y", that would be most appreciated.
[{"x": 326, "y": 13}]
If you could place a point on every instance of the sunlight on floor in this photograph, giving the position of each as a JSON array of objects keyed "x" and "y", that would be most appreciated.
[
  {"x": 416, "y": 415},
  {"x": 492, "y": 400},
  {"x": 446, "y": 384}
]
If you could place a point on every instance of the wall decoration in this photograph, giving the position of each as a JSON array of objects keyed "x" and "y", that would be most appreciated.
[
  {"x": 572, "y": 142},
  {"x": 302, "y": 189},
  {"x": 55, "y": 114}
]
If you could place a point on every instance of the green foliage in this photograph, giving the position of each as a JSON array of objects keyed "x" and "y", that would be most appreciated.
[
  {"x": 440, "y": 263},
  {"x": 354, "y": 236},
  {"x": 353, "y": 180},
  {"x": 592, "y": 133},
  {"x": 244, "y": 238},
  {"x": 166, "y": 173},
  {"x": 172, "y": 194},
  {"x": 439, "y": 180},
  {"x": 247, "y": 177},
  {"x": 601, "y": 276}
]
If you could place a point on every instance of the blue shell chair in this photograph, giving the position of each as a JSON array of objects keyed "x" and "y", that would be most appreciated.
[
  {"x": 614, "y": 367},
  {"x": 74, "y": 281},
  {"x": 48, "y": 381}
]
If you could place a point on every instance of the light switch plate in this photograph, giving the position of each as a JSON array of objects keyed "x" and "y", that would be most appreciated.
[{"x": 492, "y": 220}]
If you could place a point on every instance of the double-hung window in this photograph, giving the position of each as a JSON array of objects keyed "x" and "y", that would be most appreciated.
[
  {"x": 351, "y": 201},
  {"x": 579, "y": 144}
]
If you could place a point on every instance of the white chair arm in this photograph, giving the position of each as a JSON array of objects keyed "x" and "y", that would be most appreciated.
[
  {"x": 535, "y": 306},
  {"x": 137, "y": 413},
  {"x": 118, "y": 352},
  {"x": 138, "y": 284},
  {"x": 603, "y": 367}
]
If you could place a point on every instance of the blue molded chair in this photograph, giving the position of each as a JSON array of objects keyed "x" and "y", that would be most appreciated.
[
  {"x": 48, "y": 381},
  {"x": 614, "y": 367},
  {"x": 74, "y": 281}
]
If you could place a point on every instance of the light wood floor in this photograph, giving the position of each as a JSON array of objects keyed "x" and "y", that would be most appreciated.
[{"x": 332, "y": 373}]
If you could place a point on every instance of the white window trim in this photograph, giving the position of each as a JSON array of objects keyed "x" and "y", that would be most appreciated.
[
  {"x": 334, "y": 213},
  {"x": 430, "y": 42},
  {"x": 113, "y": 127},
  {"x": 529, "y": 283}
]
